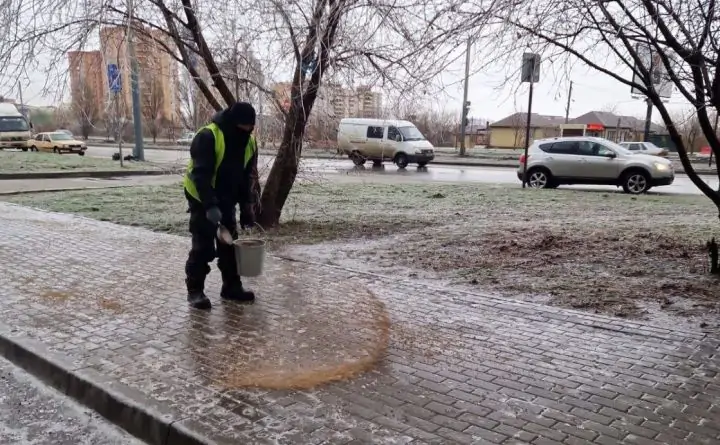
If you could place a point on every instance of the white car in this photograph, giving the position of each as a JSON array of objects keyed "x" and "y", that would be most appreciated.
[
  {"x": 186, "y": 138},
  {"x": 646, "y": 148},
  {"x": 380, "y": 140},
  {"x": 590, "y": 160}
]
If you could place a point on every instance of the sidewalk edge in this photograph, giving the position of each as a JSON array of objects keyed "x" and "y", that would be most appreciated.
[
  {"x": 86, "y": 174},
  {"x": 129, "y": 409}
]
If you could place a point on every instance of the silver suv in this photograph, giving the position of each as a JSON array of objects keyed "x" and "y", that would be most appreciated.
[{"x": 591, "y": 160}]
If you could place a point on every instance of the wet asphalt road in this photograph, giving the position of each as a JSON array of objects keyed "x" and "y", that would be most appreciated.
[
  {"x": 390, "y": 173},
  {"x": 34, "y": 414}
]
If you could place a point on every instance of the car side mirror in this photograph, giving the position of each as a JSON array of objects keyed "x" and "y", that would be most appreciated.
[
  {"x": 611, "y": 155},
  {"x": 398, "y": 138}
]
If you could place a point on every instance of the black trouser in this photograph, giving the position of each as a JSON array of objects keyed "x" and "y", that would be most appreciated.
[{"x": 206, "y": 247}]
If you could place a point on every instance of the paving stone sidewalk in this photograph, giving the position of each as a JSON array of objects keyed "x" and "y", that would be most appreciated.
[{"x": 460, "y": 367}]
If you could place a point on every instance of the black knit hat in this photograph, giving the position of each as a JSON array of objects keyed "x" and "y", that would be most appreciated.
[{"x": 241, "y": 113}]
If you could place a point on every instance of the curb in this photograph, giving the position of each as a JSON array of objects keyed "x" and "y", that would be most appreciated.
[
  {"x": 61, "y": 189},
  {"x": 148, "y": 420},
  {"x": 86, "y": 174},
  {"x": 513, "y": 165}
]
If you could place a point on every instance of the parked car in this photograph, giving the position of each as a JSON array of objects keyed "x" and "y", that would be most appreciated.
[
  {"x": 15, "y": 129},
  {"x": 647, "y": 148},
  {"x": 186, "y": 138},
  {"x": 57, "y": 142},
  {"x": 379, "y": 140},
  {"x": 67, "y": 132},
  {"x": 590, "y": 160}
]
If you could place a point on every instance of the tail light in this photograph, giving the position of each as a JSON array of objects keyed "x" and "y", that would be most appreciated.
[{"x": 523, "y": 159}]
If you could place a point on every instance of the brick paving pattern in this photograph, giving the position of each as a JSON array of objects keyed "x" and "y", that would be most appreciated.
[{"x": 460, "y": 367}]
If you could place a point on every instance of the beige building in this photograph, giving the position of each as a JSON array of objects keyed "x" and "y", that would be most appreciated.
[
  {"x": 157, "y": 71},
  {"x": 88, "y": 87},
  {"x": 361, "y": 102},
  {"x": 510, "y": 131}
]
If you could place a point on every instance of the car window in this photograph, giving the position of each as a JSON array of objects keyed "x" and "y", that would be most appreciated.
[
  {"x": 564, "y": 148},
  {"x": 585, "y": 148},
  {"x": 375, "y": 132},
  {"x": 633, "y": 147},
  {"x": 393, "y": 133},
  {"x": 546, "y": 147},
  {"x": 45, "y": 138},
  {"x": 601, "y": 150}
]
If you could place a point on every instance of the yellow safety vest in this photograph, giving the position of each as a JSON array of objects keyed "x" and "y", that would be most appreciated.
[{"x": 250, "y": 148}]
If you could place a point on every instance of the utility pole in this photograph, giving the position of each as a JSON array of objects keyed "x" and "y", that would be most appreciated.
[
  {"x": 617, "y": 131},
  {"x": 139, "y": 149},
  {"x": 567, "y": 108},
  {"x": 22, "y": 104},
  {"x": 465, "y": 106},
  {"x": 648, "y": 118}
]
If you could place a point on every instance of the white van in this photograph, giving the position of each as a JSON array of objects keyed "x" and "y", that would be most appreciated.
[
  {"x": 14, "y": 128},
  {"x": 379, "y": 140}
]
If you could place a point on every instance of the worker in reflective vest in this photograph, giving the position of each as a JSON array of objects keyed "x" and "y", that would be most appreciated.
[{"x": 218, "y": 178}]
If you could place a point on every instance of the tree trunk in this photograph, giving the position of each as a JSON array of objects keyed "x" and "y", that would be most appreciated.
[
  {"x": 284, "y": 170},
  {"x": 712, "y": 247}
]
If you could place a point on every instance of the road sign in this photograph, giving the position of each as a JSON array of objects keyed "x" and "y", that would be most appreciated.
[
  {"x": 652, "y": 61},
  {"x": 530, "y": 68},
  {"x": 114, "y": 79}
]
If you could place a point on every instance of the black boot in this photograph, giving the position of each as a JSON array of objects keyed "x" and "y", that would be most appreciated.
[
  {"x": 233, "y": 291},
  {"x": 196, "y": 296}
]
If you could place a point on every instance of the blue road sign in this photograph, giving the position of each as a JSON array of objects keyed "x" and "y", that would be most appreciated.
[{"x": 114, "y": 78}]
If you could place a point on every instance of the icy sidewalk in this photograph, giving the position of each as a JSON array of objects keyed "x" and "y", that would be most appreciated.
[{"x": 459, "y": 368}]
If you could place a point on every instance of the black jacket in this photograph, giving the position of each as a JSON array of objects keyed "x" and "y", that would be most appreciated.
[{"x": 234, "y": 181}]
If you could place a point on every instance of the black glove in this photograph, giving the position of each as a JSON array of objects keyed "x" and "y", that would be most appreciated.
[
  {"x": 214, "y": 215},
  {"x": 247, "y": 219}
]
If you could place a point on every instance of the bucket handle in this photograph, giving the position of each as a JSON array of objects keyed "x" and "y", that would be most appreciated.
[{"x": 264, "y": 233}]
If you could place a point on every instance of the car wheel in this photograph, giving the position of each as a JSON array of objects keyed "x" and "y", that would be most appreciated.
[
  {"x": 539, "y": 179},
  {"x": 56, "y": 150},
  {"x": 357, "y": 158},
  {"x": 401, "y": 160},
  {"x": 422, "y": 164},
  {"x": 81, "y": 153},
  {"x": 636, "y": 182},
  {"x": 33, "y": 148}
]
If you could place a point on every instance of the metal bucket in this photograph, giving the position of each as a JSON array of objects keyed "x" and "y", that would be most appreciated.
[{"x": 249, "y": 256}]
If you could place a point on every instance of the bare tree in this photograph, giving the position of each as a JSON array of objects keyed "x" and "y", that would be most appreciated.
[
  {"x": 688, "y": 127},
  {"x": 400, "y": 44},
  {"x": 85, "y": 109},
  {"x": 152, "y": 107},
  {"x": 519, "y": 122},
  {"x": 610, "y": 108},
  {"x": 438, "y": 127},
  {"x": 613, "y": 37},
  {"x": 192, "y": 108},
  {"x": 645, "y": 44}
]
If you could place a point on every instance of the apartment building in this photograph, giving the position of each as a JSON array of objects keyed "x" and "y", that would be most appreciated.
[
  {"x": 360, "y": 102},
  {"x": 157, "y": 71},
  {"x": 337, "y": 102},
  {"x": 88, "y": 87}
]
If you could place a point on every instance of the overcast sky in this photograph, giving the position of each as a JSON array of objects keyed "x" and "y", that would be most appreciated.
[{"x": 493, "y": 98}]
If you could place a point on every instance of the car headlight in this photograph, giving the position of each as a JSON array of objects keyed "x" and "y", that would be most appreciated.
[{"x": 661, "y": 167}]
